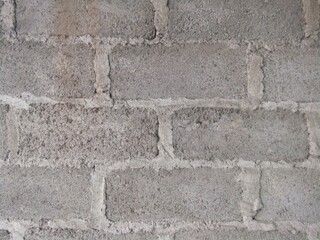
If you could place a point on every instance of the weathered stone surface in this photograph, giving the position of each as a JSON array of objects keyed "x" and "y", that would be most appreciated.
[
  {"x": 186, "y": 194},
  {"x": 64, "y": 131},
  {"x": 35, "y": 193},
  {"x": 108, "y": 18},
  {"x": 230, "y": 234},
  {"x": 290, "y": 195},
  {"x": 1, "y": 21},
  {"x": 3, "y": 131},
  {"x": 58, "y": 234},
  {"x": 184, "y": 71},
  {"x": 4, "y": 235},
  {"x": 218, "y": 133},
  {"x": 43, "y": 70},
  {"x": 242, "y": 20},
  {"x": 292, "y": 74}
]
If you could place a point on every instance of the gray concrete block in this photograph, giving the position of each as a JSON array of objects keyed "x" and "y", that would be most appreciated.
[
  {"x": 63, "y": 234},
  {"x": 179, "y": 71},
  {"x": 231, "y": 234},
  {"x": 1, "y": 22},
  {"x": 43, "y": 70},
  {"x": 71, "y": 132},
  {"x": 4, "y": 235},
  {"x": 184, "y": 194},
  {"x": 3, "y": 131},
  {"x": 242, "y": 20},
  {"x": 292, "y": 74},
  {"x": 107, "y": 18},
  {"x": 70, "y": 234},
  {"x": 226, "y": 134},
  {"x": 35, "y": 193},
  {"x": 290, "y": 195}
]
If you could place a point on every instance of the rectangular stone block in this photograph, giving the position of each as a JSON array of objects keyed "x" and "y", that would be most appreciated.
[
  {"x": 69, "y": 234},
  {"x": 292, "y": 74},
  {"x": 290, "y": 195},
  {"x": 180, "y": 71},
  {"x": 4, "y": 235},
  {"x": 241, "y": 20},
  {"x": 43, "y": 70},
  {"x": 230, "y": 234},
  {"x": 69, "y": 132},
  {"x": 3, "y": 131},
  {"x": 227, "y": 134},
  {"x": 184, "y": 194},
  {"x": 106, "y": 18},
  {"x": 35, "y": 193}
]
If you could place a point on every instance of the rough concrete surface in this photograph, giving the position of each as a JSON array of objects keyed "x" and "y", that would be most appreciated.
[
  {"x": 187, "y": 194},
  {"x": 229, "y": 234},
  {"x": 290, "y": 194},
  {"x": 227, "y": 134},
  {"x": 245, "y": 20},
  {"x": 111, "y": 18},
  {"x": 36, "y": 193},
  {"x": 4, "y": 235},
  {"x": 66, "y": 131},
  {"x": 43, "y": 70},
  {"x": 3, "y": 131},
  {"x": 69, "y": 234},
  {"x": 159, "y": 119},
  {"x": 196, "y": 71},
  {"x": 292, "y": 74}
]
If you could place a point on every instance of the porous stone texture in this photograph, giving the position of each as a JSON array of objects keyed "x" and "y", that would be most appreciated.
[
  {"x": 1, "y": 21},
  {"x": 290, "y": 195},
  {"x": 34, "y": 67},
  {"x": 292, "y": 74},
  {"x": 107, "y": 18},
  {"x": 4, "y": 235},
  {"x": 186, "y": 194},
  {"x": 195, "y": 71},
  {"x": 69, "y": 234},
  {"x": 227, "y": 134},
  {"x": 159, "y": 119},
  {"x": 230, "y": 234},
  {"x": 3, "y": 131},
  {"x": 66, "y": 234},
  {"x": 67, "y": 132},
  {"x": 35, "y": 193},
  {"x": 245, "y": 20}
]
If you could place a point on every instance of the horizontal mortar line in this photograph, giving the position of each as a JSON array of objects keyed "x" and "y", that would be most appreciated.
[
  {"x": 160, "y": 163},
  {"x": 156, "y": 227},
  {"x": 155, "y": 103},
  {"x": 114, "y": 41}
]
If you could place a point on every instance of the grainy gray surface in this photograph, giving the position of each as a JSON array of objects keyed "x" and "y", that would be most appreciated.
[
  {"x": 290, "y": 195},
  {"x": 107, "y": 18},
  {"x": 44, "y": 70},
  {"x": 227, "y": 134},
  {"x": 187, "y": 194},
  {"x": 195, "y": 72},
  {"x": 292, "y": 74},
  {"x": 4, "y": 235},
  {"x": 159, "y": 119},
  {"x": 36, "y": 193},
  {"x": 3, "y": 131},
  {"x": 227, "y": 234},
  {"x": 68, "y": 234},
  {"x": 66, "y": 131},
  {"x": 246, "y": 20}
]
